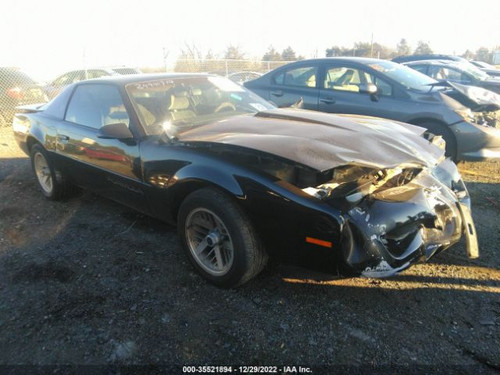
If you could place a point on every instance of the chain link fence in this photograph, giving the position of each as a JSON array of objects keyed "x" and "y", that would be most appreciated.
[
  {"x": 226, "y": 67},
  {"x": 18, "y": 88}
]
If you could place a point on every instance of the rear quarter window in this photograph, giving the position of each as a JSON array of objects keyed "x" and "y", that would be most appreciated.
[{"x": 57, "y": 107}]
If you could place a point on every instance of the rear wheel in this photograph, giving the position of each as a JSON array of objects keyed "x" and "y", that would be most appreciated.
[
  {"x": 53, "y": 187},
  {"x": 219, "y": 239},
  {"x": 443, "y": 130}
]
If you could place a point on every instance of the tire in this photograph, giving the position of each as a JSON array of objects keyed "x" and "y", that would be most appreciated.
[
  {"x": 219, "y": 239},
  {"x": 442, "y": 130},
  {"x": 52, "y": 185}
]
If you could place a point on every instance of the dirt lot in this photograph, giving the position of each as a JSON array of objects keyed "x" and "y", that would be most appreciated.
[{"x": 90, "y": 282}]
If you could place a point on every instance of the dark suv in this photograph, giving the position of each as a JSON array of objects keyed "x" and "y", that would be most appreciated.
[
  {"x": 380, "y": 88},
  {"x": 17, "y": 88}
]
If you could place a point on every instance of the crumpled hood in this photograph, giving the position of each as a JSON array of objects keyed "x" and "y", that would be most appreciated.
[
  {"x": 322, "y": 141},
  {"x": 486, "y": 99}
]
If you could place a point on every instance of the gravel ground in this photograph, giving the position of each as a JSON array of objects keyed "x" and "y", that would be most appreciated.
[{"x": 89, "y": 282}]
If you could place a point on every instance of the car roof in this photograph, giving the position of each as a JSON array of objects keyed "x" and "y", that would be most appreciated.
[
  {"x": 360, "y": 60},
  {"x": 123, "y": 80},
  {"x": 435, "y": 62},
  {"x": 427, "y": 56}
]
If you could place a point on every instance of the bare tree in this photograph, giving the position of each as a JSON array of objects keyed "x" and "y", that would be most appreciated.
[{"x": 189, "y": 59}]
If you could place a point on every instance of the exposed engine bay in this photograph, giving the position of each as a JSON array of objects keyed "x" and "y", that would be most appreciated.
[{"x": 484, "y": 104}]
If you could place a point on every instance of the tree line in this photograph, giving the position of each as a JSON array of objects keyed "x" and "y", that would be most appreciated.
[{"x": 191, "y": 57}]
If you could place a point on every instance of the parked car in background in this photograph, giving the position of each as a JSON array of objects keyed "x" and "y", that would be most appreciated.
[
  {"x": 55, "y": 87},
  {"x": 383, "y": 89},
  {"x": 243, "y": 180},
  {"x": 428, "y": 56},
  {"x": 466, "y": 74},
  {"x": 241, "y": 77},
  {"x": 17, "y": 88},
  {"x": 487, "y": 68}
]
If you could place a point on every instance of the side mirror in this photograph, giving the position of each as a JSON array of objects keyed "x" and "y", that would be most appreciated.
[
  {"x": 368, "y": 88},
  {"x": 119, "y": 130}
]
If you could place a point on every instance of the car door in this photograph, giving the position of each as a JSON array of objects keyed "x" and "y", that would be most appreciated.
[
  {"x": 291, "y": 84},
  {"x": 110, "y": 167},
  {"x": 343, "y": 90}
]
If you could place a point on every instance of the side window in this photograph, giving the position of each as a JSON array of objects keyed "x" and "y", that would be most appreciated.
[
  {"x": 346, "y": 78},
  {"x": 96, "y": 105},
  {"x": 464, "y": 78},
  {"x": 420, "y": 68},
  {"x": 441, "y": 72},
  {"x": 384, "y": 88},
  {"x": 437, "y": 73},
  {"x": 343, "y": 79},
  {"x": 452, "y": 74},
  {"x": 298, "y": 77}
]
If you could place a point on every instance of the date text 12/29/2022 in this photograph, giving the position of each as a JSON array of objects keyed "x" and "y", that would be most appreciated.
[{"x": 247, "y": 369}]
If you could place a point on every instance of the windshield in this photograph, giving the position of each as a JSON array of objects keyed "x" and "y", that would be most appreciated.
[
  {"x": 409, "y": 78},
  {"x": 482, "y": 64},
  {"x": 187, "y": 102}
]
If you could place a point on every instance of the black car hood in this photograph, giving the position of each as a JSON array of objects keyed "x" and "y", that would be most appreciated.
[
  {"x": 322, "y": 141},
  {"x": 484, "y": 99}
]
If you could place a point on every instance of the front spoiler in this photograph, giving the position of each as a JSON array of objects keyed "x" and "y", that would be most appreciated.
[
  {"x": 390, "y": 230},
  {"x": 384, "y": 269}
]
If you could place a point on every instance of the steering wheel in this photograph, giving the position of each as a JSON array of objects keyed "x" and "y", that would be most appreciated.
[{"x": 225, "y": 107}]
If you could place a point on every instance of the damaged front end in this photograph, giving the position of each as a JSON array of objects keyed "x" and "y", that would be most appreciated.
[
  {"x": 484, "y": 104},
  {"x": 395, "y": 217}
]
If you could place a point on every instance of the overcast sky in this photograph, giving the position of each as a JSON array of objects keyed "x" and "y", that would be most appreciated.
[{"x": 47, "y": 37}]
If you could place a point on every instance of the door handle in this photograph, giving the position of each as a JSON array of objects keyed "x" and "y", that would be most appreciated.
[
  {"x": 327, "y": 100},
  {"x": 62, "y": 138},
  {"x": 277, "y": 93}
]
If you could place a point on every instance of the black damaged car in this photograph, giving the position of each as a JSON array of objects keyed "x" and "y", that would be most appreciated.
[{"x": 243, "y": 180}]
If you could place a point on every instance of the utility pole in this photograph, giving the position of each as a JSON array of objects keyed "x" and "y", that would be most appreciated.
[
  {"x": 371, "y": 47},
  {"x": 84, "y": 58},
  {"x": 165, "y": 55}
]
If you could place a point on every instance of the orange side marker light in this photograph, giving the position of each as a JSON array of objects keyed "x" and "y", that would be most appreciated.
[{"x": 319, "y": 242}]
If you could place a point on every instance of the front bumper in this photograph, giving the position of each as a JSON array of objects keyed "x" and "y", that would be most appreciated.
[
  {"x": 476, "y": 142},
  {"x": 392, "y": 229}
]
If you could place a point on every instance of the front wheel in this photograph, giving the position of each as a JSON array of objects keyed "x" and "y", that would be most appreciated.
[
  {"x": 446, "y": 133},
  {"x": 219, "y": 239}
]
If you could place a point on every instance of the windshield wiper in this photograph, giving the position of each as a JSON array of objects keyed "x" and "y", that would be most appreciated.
[{"x": 443, "y": 83}]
